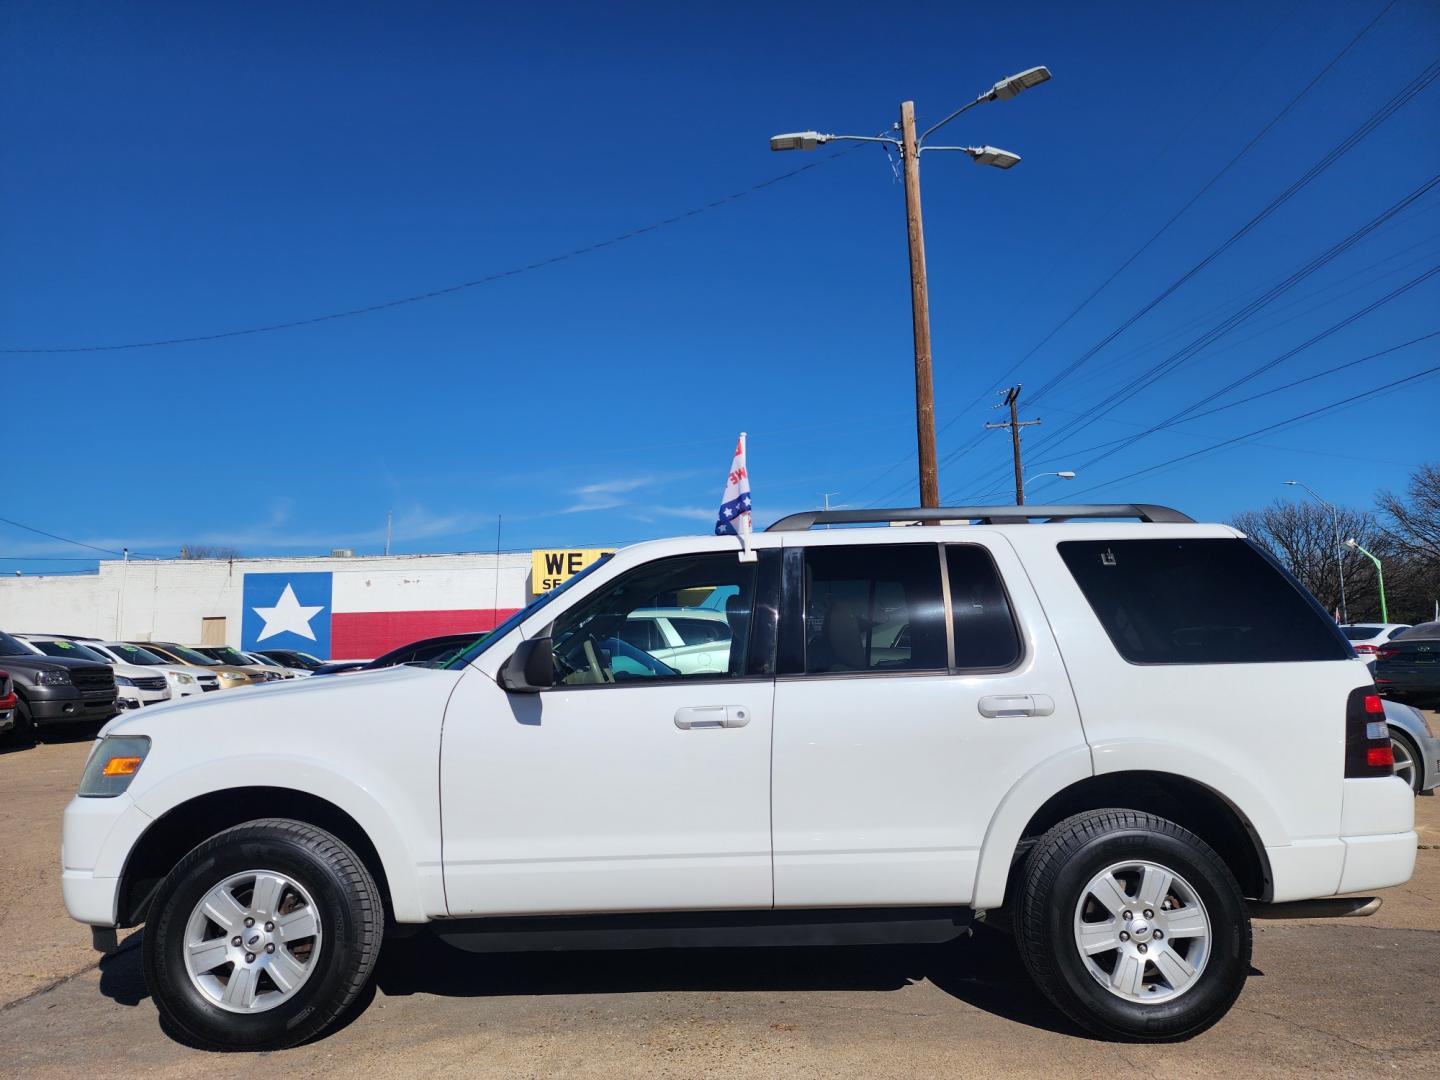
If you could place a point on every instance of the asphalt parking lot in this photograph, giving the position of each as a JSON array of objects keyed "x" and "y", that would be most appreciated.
[{"x": 1348, "y": 997}]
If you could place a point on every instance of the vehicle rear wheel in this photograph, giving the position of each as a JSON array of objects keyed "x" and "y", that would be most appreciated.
[
  {"x": 1133, "y": 926},
  {"x": 1407, "y": 760},
  {"x": 262, "y": 936}
]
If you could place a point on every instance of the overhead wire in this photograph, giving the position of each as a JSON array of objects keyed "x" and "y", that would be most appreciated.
[{"x": 432, "y": 294}]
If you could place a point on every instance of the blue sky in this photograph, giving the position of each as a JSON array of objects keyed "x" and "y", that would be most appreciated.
[{"x": 176, "y": 170}]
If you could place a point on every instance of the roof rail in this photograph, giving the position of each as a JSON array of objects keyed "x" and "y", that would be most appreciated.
[{"x": 985, "y": 515}]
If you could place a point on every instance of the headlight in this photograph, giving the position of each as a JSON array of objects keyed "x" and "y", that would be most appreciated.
[
  {"x": 179, "y": 678},
  {"x": 53, "y": 678},
  {"x": 121, "y": 680},
  {"x": 112, "y": 765}
]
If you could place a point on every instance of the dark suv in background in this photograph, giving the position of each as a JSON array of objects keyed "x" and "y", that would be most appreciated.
[{"x": 55, "y": 689}]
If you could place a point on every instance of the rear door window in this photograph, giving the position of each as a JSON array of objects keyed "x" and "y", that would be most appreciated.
[
  {"x": 1200, "y": 601},
  {"x": 874, "y": 608},
  {"x": 986, "y": 638}
]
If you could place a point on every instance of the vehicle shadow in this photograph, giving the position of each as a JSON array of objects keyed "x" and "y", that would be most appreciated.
[{"x": 983, "y": 971}]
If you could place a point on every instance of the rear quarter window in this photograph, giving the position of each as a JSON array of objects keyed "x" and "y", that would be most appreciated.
[{"x": 1200, "y": 601}]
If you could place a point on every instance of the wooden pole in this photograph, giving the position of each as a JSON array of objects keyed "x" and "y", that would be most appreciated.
[
  {"x": 1014, "y": 402},
  {"x": 920, "y": 313}
]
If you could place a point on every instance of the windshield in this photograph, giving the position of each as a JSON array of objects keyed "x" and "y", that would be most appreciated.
[
  {"x": 227, "y": 655},
  {"x": 524, "y": 613},
  {"x": 1361, "y": 633},
  {"x": 70, "y": 649},
  {"x": 133, "y": 654},
  {"x": 261, "y": 658},
  {"x": 11, "y": 647},
  {"x": 190, "y": 656}
]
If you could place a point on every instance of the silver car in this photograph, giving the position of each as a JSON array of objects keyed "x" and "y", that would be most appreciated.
[{"x": 1417, "y": 750}]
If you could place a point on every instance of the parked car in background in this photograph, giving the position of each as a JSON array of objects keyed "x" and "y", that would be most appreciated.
[
  {"x": 427, "y": 652},
  {"x": 230, "y": 676},
  {"x": 135, "y": 686},
  {"x": 294, "y": 658},
  {"x": 1368, "y": 638},
  {"x": 56, "y": 689},
  {"x": 235, "y": 658},
  {"x": 274, "y": 665},
  {"x": 186, "y": 680},
  {"x": 692, "y": 640},
  {"x": 1416, "y": 749},
  {"x": 7, "y": 703},
  {"x": 1408, "y": 667}
]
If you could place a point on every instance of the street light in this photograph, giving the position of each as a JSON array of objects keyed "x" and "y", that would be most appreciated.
[
  {"x": 910, "y": 149},
  {"x": 1339, "y": 551},
  {"x": 1065, "y": 474},
  {"x": 1379, "y": 576}
]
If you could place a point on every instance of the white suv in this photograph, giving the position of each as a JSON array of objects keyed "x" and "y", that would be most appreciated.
[{"x": 1122, "y": 738}]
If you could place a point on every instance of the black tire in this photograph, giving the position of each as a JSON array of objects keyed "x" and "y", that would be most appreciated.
[
  {"x": 349, "y": 907},
  {"x": 1058, "y": 870},
  {"x": 1417, "y": 764},
  {"x": 24, "y": 730}
]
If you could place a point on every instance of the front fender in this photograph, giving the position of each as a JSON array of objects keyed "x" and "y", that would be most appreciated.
[{"x": 403, "y": 829}]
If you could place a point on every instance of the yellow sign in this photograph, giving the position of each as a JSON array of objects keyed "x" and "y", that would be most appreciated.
[{"x": 552, "y": 567}]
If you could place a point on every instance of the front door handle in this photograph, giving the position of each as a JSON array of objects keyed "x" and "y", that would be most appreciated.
[
  {"x": 711, "y": 716},
  {"x": 1001, "y": 705}
]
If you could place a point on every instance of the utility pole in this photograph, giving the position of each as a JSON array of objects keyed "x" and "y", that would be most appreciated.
[
  {"x": 910, "y": 148},
  {"x": 919, "y": 312},
  {"x": 389, "y": 514},
  {"x": 825, "y": 495},
  {"x": 1012, "y": 402}
]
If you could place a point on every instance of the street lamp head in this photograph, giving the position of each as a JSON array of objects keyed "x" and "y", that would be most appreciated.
[
  {"x": 798, "y": 140},
  {"x": 1292, "y": 483},
  {"x": 1006, "y": 89},
  {"x": 1068, "y": 474},
  {"x": 1351, "y": 544},
  {"x": 993, "y": 155}
]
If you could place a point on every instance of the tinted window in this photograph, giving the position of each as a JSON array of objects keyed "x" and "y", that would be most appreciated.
[
  {"x": 1361, "y": 633},
  {"x": 985, "y": 633},
  {"x": 598, "y": 641},
  {"x": 700, "y": 631},
  {"x": 1199, "y": 601},
  {"x": 643, "y": 634},
  {"x": 132, "y": 654},
  {"x": 873, "y": 608}
]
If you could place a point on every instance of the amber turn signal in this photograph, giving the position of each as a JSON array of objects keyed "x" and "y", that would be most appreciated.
[{"x": 121, "y": 766}]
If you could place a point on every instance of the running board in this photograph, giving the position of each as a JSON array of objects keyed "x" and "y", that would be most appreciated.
[
  {"x": 1330, "y": 907},
  {"x": 706, "y": 929}
]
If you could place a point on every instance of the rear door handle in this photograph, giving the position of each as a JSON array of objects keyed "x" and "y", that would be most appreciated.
[
  {"x": 1001, "y": 705},
  {"x": 711, "y": 716}
]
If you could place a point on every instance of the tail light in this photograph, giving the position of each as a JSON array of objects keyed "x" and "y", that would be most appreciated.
[
  {"x": 1367, "y": 737},
  {"x": 1384, "y": 654},
  {"x": 1366, "y": 649}
]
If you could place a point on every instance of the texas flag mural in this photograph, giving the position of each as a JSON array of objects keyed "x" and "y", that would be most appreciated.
[{"x": 361, "y": 614}]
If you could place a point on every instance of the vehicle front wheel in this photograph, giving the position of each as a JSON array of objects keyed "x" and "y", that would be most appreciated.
[
  {"x": 262, "y": 936},
  {"x": 1133, "y": 926}
]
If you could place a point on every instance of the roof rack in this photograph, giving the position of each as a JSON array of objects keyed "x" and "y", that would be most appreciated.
[{"x": 985, "y": 515}]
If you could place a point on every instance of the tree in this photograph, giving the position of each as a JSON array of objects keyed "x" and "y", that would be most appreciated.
[
  {"x": 208, "y": 551},
  {"x": 1302, "y": 536},
  {"x": 1413, "y": 523}
]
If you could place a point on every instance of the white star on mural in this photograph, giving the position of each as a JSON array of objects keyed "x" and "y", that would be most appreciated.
[{"x": 287, "y": 616}]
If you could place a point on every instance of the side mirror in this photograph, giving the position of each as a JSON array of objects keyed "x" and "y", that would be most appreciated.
[{"x": 530, "y": 668}]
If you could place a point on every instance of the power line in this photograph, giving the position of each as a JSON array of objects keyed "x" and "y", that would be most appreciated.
[
  {"x": 1187, "y": 352},
  {"x": 1260, "y": 369},
  {"x": 57, "y": 536},
  {"x": 1307, "y": 415},
  {"x": 432, "y": 294},
  {"x": 1254, "y": 141},
  {"x": 1393, "y": 105}
]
